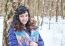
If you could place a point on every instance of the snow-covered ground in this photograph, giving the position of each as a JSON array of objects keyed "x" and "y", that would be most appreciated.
[
  {"x": 1, "y": 29},
  {"x": 53, "y": 35}
]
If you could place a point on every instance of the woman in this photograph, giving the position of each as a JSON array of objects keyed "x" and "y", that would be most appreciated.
[{"x": 22, "y": 31}]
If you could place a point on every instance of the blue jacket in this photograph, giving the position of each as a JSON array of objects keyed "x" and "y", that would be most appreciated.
[{"x": 13, "y": 40}]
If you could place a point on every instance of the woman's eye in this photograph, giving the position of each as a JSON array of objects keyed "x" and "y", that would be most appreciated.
[
  {"x": 26, "y": 15},
  {"x": 21, "y": 16}
]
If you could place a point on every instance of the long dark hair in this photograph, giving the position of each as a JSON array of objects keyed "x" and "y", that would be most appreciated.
[{"x": 16, "y": 22}]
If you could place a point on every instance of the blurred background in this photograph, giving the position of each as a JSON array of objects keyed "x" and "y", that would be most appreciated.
[{"x": 49, "y": 14}]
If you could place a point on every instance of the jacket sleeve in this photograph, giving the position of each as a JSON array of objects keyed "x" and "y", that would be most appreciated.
[
  {"x": 12, "y": 38},
  {"x": 40, "y": 41}
]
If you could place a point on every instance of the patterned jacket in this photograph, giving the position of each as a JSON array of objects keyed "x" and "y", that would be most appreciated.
[{"x": 14, "y": 42}]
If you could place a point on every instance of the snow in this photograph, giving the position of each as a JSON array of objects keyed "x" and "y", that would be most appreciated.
[
  {"x": 1, "y": 29},
  {"x": 55, "y": 36}
]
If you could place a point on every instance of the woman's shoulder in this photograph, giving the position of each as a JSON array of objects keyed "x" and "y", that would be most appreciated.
[
  {"x": 11, "y": 30},
  {"x": 35, "y": 30}
]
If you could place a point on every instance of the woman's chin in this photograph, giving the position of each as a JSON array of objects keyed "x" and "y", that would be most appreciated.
[{"x": 24, "y": 23}]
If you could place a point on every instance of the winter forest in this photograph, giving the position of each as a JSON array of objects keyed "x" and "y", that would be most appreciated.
[{"x": 49, "y": 14}]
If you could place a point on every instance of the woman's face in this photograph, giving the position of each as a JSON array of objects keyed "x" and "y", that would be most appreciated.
[{"x": 23, "y": 18}]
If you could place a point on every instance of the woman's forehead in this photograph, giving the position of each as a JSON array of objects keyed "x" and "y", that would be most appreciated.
[{"x": 26, "y": 13}]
